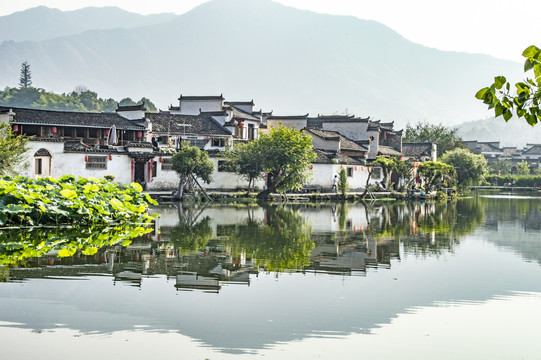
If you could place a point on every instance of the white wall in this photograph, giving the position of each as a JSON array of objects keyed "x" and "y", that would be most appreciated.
[
  {"x": 193, "y": 107},
  {"x": 322, "y": 175}
]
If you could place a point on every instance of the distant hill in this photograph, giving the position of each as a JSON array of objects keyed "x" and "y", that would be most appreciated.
[
  {"x": 287, "y": 60},
  {"x": 43, "y": 23},
  {"x": 516, "y": 132}
]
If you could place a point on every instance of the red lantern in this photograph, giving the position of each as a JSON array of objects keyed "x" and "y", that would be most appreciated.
[
  {"x": 355, "y": 168},
  {"x": 235, "y": 122},
  {"x": 110, "y": 156},
  {"x": 161, "y": 159},
  {"x": 53, "y": 129},
  {"x": 208, "y": 138},
  {"x": 241, "y": 124},
  {"x": 106, "y": 132},
  {"x": 139, "y": 134},
  {"x": 15, "y": 128},
  {"x": 362, "y": 168},
  {"x": 86, "y": 158}
]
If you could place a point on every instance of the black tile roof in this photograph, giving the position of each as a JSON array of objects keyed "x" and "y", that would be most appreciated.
[
  {"x": 74, "y": 119},
  {"x": 239, "y": 115},
  {"x": 330, "y": 157},
  {"x": 251, "y": 102},
  {"x": 196, "y": 124},
  {"x": 289, "y": 117},
  {"x": 202, "y": 98},
  {"x": 140, "y": 107},
  {"x": 416, "y": 150}
]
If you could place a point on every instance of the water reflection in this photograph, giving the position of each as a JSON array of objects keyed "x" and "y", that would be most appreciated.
[{"x": 283, "y": 273}]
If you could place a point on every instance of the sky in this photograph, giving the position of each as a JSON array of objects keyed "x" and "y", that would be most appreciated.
[{"x": 495, "y": 27}]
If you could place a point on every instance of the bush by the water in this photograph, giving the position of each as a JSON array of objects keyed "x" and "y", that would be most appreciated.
[
  {"x": 50, "y": 201},
  {"x": 520, "y": 180}
]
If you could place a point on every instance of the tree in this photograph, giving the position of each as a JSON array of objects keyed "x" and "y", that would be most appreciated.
[
  {"x": 446, "y": 138},
  {"x": 25, "y": 80},
  {"x": 13, "y": 149},
  {"x": 524, "y": 102},
  {"x": 246, "y": 159},
  {"x": 523, "y": 168},
  {"x": 343, "y": 182},
  {"x": 287, "y": 156},
  {"x": 501, "y": 166},
  {"x": 190, "y": 162},
  {"x": 470, "y": 168},
  {"x": 436, "y": 173}
]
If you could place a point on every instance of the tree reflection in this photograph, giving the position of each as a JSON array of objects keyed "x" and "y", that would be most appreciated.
[
  {"x": 281, "y": 241},
  {"x": 427, "y": 228}
]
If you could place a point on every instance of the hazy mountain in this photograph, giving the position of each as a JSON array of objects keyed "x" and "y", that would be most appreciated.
[
  {"x": 287, "y": 60},
  {"x": 43, "y": 23},
  {"x": 516, "y": 132}
]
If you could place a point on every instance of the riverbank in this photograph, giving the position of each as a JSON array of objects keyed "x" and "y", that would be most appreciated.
[{"x": 244, "y": 197}]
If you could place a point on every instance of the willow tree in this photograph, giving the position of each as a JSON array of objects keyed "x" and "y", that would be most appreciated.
[{"x": 190, "y": 162}]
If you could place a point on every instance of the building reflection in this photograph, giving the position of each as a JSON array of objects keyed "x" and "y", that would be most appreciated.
[{"x": 205, "y": 249}]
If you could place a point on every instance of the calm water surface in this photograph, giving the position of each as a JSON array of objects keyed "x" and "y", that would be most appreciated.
[{"x": 342, "y": 281}]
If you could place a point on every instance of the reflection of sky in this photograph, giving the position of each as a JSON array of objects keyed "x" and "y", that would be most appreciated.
[{"x": 273, "y": 308}]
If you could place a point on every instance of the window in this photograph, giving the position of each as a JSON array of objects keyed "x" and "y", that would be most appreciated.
[
  {"x": 93, "y": 133},
  {"x": 225, "y": 166},
  {"x": 96, "y": 162},
  {"x": 350, "y": 171},
  {"x": 80, "y": 132},
  {"x": 38, "y": 167},
  {"x": 167, "y": 164},
  {"x": 218, "y": 142}
]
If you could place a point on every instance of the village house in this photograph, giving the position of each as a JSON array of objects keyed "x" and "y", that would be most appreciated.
[
  {"x": 137, "y": 146},
  {"x": 531, "y": 153}
]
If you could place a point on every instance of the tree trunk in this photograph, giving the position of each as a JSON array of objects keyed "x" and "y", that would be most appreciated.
[
  {"x": 180, "y": 191},
  {"x": 366, "y": 185}
]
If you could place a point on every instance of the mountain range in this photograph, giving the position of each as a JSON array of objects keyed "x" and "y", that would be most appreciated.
[{"x": 288, "y": 61}]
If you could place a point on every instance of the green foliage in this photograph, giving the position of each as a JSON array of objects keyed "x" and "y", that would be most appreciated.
[
  {"x": 343, "y": 185},
  {"x": 16, "y": 246},
  {"x": 470, "y": 168},
  {"x": 523, "y": 168},
  {"x": 49, "y": 201},
  {"x": 25, "y": 80},
  {"x": 500, "y": 166},
  {"x": 189, "y": 238},
  {"x": 524, "y": 101},
  {"x": 446, "y": 138},
  {"x": 80, "y": 99},
  {"x": 149, "y": 105},
  {"x": 437, "y": 173},
  {"x": 247, "y": 160},
  {"x": 520, "y": 180},
  {"x": 287, "y": 156},
  {"x": 190, "y": 160},
  {"x": 12, "y": 150}
]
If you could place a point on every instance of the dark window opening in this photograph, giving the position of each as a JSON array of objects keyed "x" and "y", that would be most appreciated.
[
  {"x": 39, "y": 168},
  {"x": 350, "y": 171},
  {"x": 96, "y": 162}
]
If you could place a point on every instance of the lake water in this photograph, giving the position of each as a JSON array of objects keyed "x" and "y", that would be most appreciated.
[{"x": 335, "y": 281}]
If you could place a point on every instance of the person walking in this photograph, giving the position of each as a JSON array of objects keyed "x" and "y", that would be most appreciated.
[{"x": 334, "y": 180}]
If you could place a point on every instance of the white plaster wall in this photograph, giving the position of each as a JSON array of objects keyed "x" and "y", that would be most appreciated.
[
  {"x": 322, "y": 175},
  {"x": 74, "y": 163},
  {"x": 319, "y": 143},
  {"x": 297, "y": 124},
  {"x": 193, "y": 107},
  {"x": 132, "y": 115}
]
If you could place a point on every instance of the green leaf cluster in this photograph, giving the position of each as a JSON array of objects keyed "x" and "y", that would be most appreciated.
[
  {"x": 436, "y": 173},
  {"x": 190, "y": 160},
  {"x": 343, "y": 185},
  {"x": 12, "y": 150},
  {"x": 50, "y": 201},
  {"x": 470, "y": 168},
  {"x": 524, "y": 100},
  {"x": 246, "y": 159},
  {"x": 285, "y": 154}
]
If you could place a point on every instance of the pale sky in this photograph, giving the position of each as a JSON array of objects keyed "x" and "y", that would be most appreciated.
[{"x": 501, "y": 28}]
